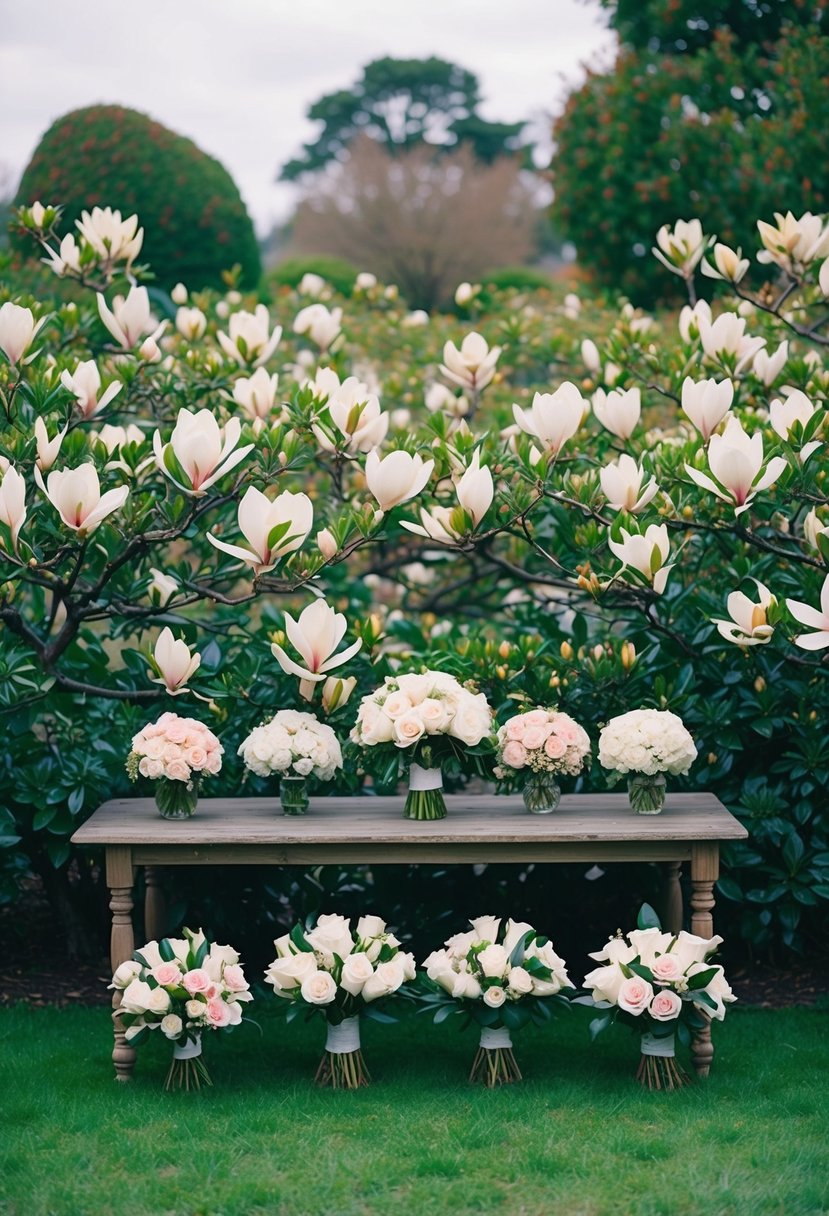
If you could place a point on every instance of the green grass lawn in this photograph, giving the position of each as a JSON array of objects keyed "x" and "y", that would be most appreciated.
[{"x": 577, "y": 1138}]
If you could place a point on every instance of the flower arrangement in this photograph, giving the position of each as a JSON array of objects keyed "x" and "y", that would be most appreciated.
[
  {"x": 342, "y": 974},
  {"x": 433, "y": 719},
  {"x": 181, "y": 986},
  {"x": 662, "y": 985},
  {"x": 646, "y": 743},
  {"x": 175, "y": 753},
  {"x": 500, "y": 977},
  {"x": 542, "y": 744},
  {"x": 296, "y": 746}
]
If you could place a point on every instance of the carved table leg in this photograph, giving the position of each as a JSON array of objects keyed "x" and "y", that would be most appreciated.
[
  {"x": 705, "y": 869},
  {"x": 672, "y": 896},
  {"x": 155, "y": 912},
  {"x": 122, "y": 945}
]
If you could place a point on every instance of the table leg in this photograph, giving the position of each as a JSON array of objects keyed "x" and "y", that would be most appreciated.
[
  {"x": 155, "y": 912},
  {"x": 672, "y": 896},
  {"x": 705, "y": 870},
  {"x": 122, "y": 945}
]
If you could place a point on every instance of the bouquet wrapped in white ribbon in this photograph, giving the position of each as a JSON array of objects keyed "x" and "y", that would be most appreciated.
[
  {"x": 501, "y": 977},
  {"x": 342, "y": 974},
  {"x": 644, "y": 744},
  {"x": 295, "y": 746}
]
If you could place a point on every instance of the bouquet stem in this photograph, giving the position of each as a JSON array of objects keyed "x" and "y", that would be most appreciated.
[
  {"x": 425, "y": 797},
  {"x": 187, "y": 1069},
  {"x": 293, "y": 795},
  {"x": 494, "y": 1062},
  {"x": 342, "y": 1065},
  {"x": 646, "y": 794},
  {"x": 658, "y": 1067},
  {"x": 176, "y": 799}
]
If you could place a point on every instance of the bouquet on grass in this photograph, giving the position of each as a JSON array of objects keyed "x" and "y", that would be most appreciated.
[
  {"x": 342, "y": 974},
  {"x": 181, "y": 986},
  {"x": 432, "y": 720},
  {"x": 175, "y": 753},
  {"x": 646, "y": 744},
  {"x": 296, "y": 746},
  {"x": 500, "y": 978},
  {"x": 661, "y": 985},
  {"x": 542, "y": 745}
]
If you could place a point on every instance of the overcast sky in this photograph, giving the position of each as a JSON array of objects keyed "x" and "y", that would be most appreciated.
[{"x": 237, "y": 76}]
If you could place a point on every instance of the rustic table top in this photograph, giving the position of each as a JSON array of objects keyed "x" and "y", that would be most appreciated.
[{"x": 478, "y": 819}]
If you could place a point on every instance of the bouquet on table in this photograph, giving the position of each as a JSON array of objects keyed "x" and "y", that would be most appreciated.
[
  {"x": 342, "y": 974},
  {"x": 646, "y": 744},
  {"x": 175, "y": 753},
  {"x": 662, "y": 985},
  {"x": 296, "y": 746},
  {"x": 500, "y": 978},
  {"x": 181, "y": 986},
  {"x": 432, "y": 719},
  {"x": 542, "y": 745}
]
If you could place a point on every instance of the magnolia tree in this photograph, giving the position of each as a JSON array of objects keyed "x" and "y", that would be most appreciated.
[{"x": 199, "y": 501}]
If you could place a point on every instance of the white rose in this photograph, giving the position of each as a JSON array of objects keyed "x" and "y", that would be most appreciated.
[
  {"x": 224, "y": 954},
  {"x": 304, "y": 767},
  {"x": 235, "y": 1012},
  {"x": 493, "y": 961},
  {"x": 283, "y": 945},
  {"x": 605, "y": 983},
  {"x": 692, "y": 949},
  {"x": 386, "y": 979},
  {"x": 125, "y": 974},
  {"x": 436, "y": 962},
  {"x": 465, "y": 985},
  {"x": 407, "y": 962},
  {"x": 435, "y": 715},
  {"x": 634, "y": 995},
  {"x": 494, "y": 997},
  {"x": 159, "y": 1001},
  {"x": 195, "y": 1010},
  {"x": 331, "y": 935},
  {"x": 319, "y": 988},
  {"x": 396, "y": 704},
  {"x": 408, "y": 729},
  {"x": 369, "y": 927},
  {"x": 171, "y": 1026},
  {"x": 447, "y": 979},
  {"x": 356, "y": 970},
  {"x": 460, "y": 943},
  {"x": 486, "y": 928},
  {"x": 520, "y": 981},
  {"x": 291, "y": 971},
  {"x": 471, "y": 723},
  {"x": 375, "y": 726},
  {"x": 136, "y": 997},
  {"x": 546, "y": 987},
  {"x": 515, "y": 930},
  {"x": 648, "y": 943},
  {"x": 416, "y": 687}
]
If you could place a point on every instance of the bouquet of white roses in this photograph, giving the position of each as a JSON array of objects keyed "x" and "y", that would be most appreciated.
[
  {"x": 342, "y": 974},
  {"x": 432, "y": 719},
  {"x": 181, "y": 986},
  {"x": 542, "y": 744},
  {"x": 501, "y": 978},
  {"x": 296, "y": 746},
  {"x": 175, "y": 753},
  {"x": 646, "y": 743},
  {"x": 662, "y": 984}
]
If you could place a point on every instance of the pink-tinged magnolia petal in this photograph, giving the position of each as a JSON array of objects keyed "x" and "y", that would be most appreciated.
[
  {"x": 229, "y": 464},
  {"x": 337, "y": 660},
  {"x": 109, "y": 502},
  {"x": 813, "y": 641},
  {"x": 110, "y": 322},
  {"x": 733, "y": 633},
  {"x": 706, "y": 483},
  {"x": 290, "y": 667},
  {"x": 775, "y": 468},
  {"x": 244, "y": 555},
  {"x": 807, "y": 615}
]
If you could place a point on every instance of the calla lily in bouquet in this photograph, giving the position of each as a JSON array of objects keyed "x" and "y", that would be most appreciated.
[
  {"x": 542, "y": 744},
  {"x": 500, "y": 976},
  {"x": 646, "y": 744},
  {"x": 175, "y": 753},
  {"x": 182, "y": 987},
  {"x": 432, "y": 720},
  {"x": 343, "y": 974},
  {"x": 296, "y": 746},
  {"x": 662, "y": 985}
]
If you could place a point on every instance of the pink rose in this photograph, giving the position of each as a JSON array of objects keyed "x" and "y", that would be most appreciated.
[
  {"x": 537, "y": 717},
  {"x": 555, "y": 747},
  {"x": 196, "y": 757},
  {"x": 534, "y": 737},
  {"x": 665, "y": 1006},
  {"x": 196, "y": 981},
  {"x": 176, "y": 732},
  {"x": 634, "y": 995},
  {"x": 234, "y": 978},
  {"x": 214, "y": 763},
  {"x": 667, "y": 969},
  {"x": 177, "y": 770},
  {"x": 514, "y": 754},
  {"x": 218, "y": 1014},
  {"x": 515, "y": 729},
  {"x": 167, "y": 973}
]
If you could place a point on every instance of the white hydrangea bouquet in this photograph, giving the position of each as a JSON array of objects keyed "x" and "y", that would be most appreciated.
[
  {"x": 432, "y": 720},
  {"x": 296, "y": 746},
  {"x": 664, "y": 986},
  {"x": 342, "y": 974},
  {"x": 541, "y": 745},
  {"x": 175, "y": 753},
  {"x": 182, "y": 987},
  {"x": 502, "y": 978},
  {"x": 644, "y": 745}
]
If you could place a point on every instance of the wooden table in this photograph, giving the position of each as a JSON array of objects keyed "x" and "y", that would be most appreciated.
[{"x": 479, "y": 828}]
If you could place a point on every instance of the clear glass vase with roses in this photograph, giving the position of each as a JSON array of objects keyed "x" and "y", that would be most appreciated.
[
  {"x": 644, "y": 745},
  {"x": 662, "y": 985},
  {"x": 182, "y": 987},
  {"x": 436, "y": 724},
  {"x": 295, "y": 746},
  {"x": 176, "y": 754},
  {"x": 537, "y": 747},
  {"x": 502, "y": 976},
  {"x": 343, "y": 974}
]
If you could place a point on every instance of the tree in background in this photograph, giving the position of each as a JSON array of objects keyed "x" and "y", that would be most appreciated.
[
  {"x": 714, "y": 110},
  {"x": 400, "y": 103},
  {"x": 423, "y": 222},
  {"x": 195, "y": 222}
]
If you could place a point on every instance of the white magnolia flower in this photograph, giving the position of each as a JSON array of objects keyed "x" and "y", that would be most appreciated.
[
  {"x": 199, "y": 451},
  {"x": 736, "y": 461},
  {"x": 316, "y": 634},
  {"x": 823, "y": 279},
  {"x": 256, "y": 394},
  {"x": 356, "y": 414},
  {"x": 12, "y": 503},
  {"x": 162, "y": 587},
  {"x": 312, "y": 285},
  {"x": 622, "y": 485},
  {"x": 812, "y": 618},
  {"x": 173, "y": 662},
  {"x": 793, "y": 244},
  {"x": 689, "y": 319},
  {"x": 795, "y": 407},
  {"x": 438, "y": 398},
  {"x": 273, "y": 528},
  {"x": 553, "y": 418},
  {"x": 749, "y": 619},
  {"x": 365, "y": 281},
  {"x": 130, "y": 319},
  {"x": 767, "y": 367},
  {"x": 18, "y": 330},
  {"x": 618, "y": 411},
  {"x": 76, "y": 496},
  {"x": 67, "y": 257},
  {"x": 681, "y": 247},
  {"x": 727, "y": 337},
  {"x": 646, "y": 553},
  {"x": 47, "y": 449},
  {"x": 728, "y": 265},
  {"x": 112, "y": 237},
  {"x": 191, "y": 323},
  {"x": 475, "y": 490},
  {"x": 179, "y": 294},
  {"x": 706, "y": 403},
  {"x": 590, "y": 355},
  {"x": 473, "y": 365},
  {"x": 397, "y": 477},
  {"x": 250, "y": 340},
  {"x": 85, "y": 384},
  {"x": 322, "y": 325},
  {"x": 814, "y": 528}
]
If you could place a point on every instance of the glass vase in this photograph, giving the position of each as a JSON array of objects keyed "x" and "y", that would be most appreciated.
[
  {"x": 646, "y": 793},
  {"x": 176, "y": 799},
  {"x": 293, "y": 795},
  {"x": 425, "y": 797},
  {"x": 542, "y": 793}
]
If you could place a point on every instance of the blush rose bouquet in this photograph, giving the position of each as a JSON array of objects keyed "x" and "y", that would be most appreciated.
[
  {"x": 500, "y": 976},
  {"x": 644, "y": 744},
  {"x": 431, "y": 720},
  {"x": 342, "y": 974},
  {"x": 176, "y": 754},
  {"x": 541, "y": 745},
  {"x": 664, "y": 986},
  {"x": 182, "y": 987}
]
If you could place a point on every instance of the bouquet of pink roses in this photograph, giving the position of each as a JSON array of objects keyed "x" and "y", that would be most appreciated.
[
  {"x": 175, "y": 753},
  {"x": 541, "y": 745}
]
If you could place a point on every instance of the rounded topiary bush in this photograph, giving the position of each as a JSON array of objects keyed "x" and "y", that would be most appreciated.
[{"x": 195, "y": 223}]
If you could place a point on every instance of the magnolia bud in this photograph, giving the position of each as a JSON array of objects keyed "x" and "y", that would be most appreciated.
[
  {"x": 326, "y": 544},
  {"x": 627, "y": 655},
  {"x": 566, "y": 651},
  {"x": 179, "y": 294},
  {"x": 504, "y": 650},
  {"x": 336, "y": 691}
]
